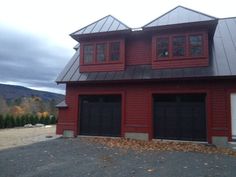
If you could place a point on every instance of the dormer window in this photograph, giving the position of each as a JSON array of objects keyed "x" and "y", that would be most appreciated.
[
  {"x": 172, "y": 50},
  {"x": 102, "y": 55},
  {"x": 196, "y": 45},
  {"x": 180, "y": 46},
  {"x": 115, "y": 51},
  {"x": 163, "y": 47},
  {"x": 88, "y": 54}
]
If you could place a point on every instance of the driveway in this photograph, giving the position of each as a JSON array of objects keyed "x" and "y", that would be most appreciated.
[
  {"x": 76, "y": 157},
  {"x": 13, "y": 137}
]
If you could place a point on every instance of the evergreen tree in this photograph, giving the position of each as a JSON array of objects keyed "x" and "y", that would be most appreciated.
[
  {"x": 41, "y": 120},
  {"x": 46, "y": 120},
  {"x": 12, "y": 120},
  {"x": 52, "y": 119},
  {"x": 8, "y": 121},
  {"x": 36, "y": 119},
  {"x": 17, "y": 121},
  {"x": 27, "y": 119},
  {"x": 23, "y": 120},
  {"x": 32, "y": 120},
  {"x": 1, "y": 121}
]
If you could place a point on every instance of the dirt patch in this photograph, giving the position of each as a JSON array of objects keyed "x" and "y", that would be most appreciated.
[
  {"x": 14, "y": 137},
  {"x": 159, "y": 145}
]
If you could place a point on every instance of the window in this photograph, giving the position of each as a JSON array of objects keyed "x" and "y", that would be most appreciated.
[
  {"x": 196, "y": 45},
  {"x": 115, "y": 51},
  {"x": 101, "y": 53},
  {"x": 162, "y": 47},
  {"x": 179, "y": 45},
  {"x": 88, "y": 54}
]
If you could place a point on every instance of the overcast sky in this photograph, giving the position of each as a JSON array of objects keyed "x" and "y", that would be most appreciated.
[{"x": 34, "y": 34}]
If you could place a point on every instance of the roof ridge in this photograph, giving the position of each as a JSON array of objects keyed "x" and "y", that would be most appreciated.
[
  {"x": 159, "y": 17},
  {"x": 120, "y": 21},
  {"x": 198, "y": 12},
  {"x": 225, "y": 18},
  {"x": 89, "y": 24}
]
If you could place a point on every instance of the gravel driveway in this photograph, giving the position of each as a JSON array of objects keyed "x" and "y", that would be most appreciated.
[
  {"x": 13, "y": 137},
  {"x": 75, "y": 157}
]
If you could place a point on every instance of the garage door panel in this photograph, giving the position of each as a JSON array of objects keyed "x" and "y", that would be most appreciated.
[
  {"x": 100, "y": 115},
  {"x": 180, "y": 117}
]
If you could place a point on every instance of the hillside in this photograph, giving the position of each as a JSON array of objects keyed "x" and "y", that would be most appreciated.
[
  {"x": 9, "y": 92},
  {"x": 18, "y": 100}
]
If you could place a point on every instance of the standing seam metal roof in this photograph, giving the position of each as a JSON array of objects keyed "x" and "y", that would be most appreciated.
[
  {"x": 222, "y": 62},
  {"x": 105, "y": 24},
  {"x": 179, "y": 15}
]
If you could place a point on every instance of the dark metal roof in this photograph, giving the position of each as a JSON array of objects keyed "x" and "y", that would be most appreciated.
[
  {"x": 222, "y": 62},
  {"x": 76, "y": 47},
  {"x": 62, "y": 104},
  {"x": 105, "y": 24},
  {"x": 179, "y": 15}
]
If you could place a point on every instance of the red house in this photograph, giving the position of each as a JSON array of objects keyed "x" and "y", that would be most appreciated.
[{"x": 174, "y": 78}]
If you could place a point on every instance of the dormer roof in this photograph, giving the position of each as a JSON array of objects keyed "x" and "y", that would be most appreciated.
[
  {"x": 179, "y": 15},
  {"x": 105, "y": 24}
]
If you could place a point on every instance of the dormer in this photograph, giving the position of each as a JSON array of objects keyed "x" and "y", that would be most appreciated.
[
  {"x": 181, "y": 38},
  {"x": 102, "y": 45}
]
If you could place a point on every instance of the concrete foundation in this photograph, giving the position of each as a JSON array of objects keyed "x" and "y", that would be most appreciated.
[
  {"x": 220, "y": 141},
  {"x": 68, "y": 134},
  {"x": 137, "y": 136}
]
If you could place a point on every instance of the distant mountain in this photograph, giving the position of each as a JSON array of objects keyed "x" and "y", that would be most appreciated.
[{"x": 10, "y": 92}]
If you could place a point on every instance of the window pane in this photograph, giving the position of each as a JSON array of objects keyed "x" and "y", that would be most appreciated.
[
  {"x": 88, "y": 54},
  {"x": 196, "y": 51},
  {"x": 196, "y": 40},
  {"x": 162, "y": 43},
  {"x": 179, "y": 46},
  {"x": 196, "y": 45},
  {"x": 115, "y": 51},
  {"x": 162, "y": 47},
  {"x": 101, "y": 52}
]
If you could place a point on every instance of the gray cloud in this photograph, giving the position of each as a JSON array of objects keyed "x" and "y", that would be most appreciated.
[{"x": 31, "y": 60}]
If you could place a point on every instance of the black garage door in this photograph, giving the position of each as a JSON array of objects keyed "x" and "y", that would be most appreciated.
[
  {"x": 180, "y": 117},
  {"x": 100, "y": 115}
]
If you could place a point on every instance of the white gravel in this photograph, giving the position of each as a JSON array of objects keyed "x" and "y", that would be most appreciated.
[{"x": 13, "y": 137}]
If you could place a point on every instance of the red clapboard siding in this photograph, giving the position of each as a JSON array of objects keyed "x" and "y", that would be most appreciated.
[
  {"x": 137, "y": 103},
  {"x": 219, "y": 124},
  {"x": 136, "y": 112},
  {"x": 181, "y": 63},
  {"x": 138, "y": 50}
]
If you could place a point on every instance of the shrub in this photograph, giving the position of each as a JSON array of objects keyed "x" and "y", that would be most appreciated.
[
  {"x": 46, "y": 120},
  {"x": 36, "y": 119},
  {"x": 9, "y": 121},
  {"x": 17, "y": 121},
  {"x": 41, "y": 120},
  {"x": 32, "y": 119},
  {"x": 13, "y": 122},
  {"x": 53, "y": 120},
  {"x": 23, "y": 120},
  {"x": 2, "y": 122},
  {"x": 27, "y": 119}
]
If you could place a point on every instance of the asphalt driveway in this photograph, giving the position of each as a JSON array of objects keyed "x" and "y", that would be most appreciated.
[{"x": 75, "y": 158}]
